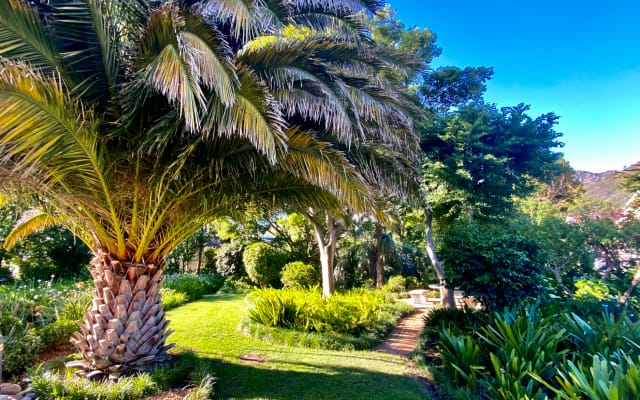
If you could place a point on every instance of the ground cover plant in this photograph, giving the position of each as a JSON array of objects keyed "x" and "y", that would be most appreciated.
[
  {"x": 186, "y": 371},
  {"x": 535, "y": 353},
  {"x": 247, "y": 368},
  {"x": 357, "y": 319},
  {"x": 38, "y": 317},
  {"x": 41, "y": 316}
]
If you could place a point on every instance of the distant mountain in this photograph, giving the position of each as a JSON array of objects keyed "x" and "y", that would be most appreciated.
[{"x": 603, "y": 186}]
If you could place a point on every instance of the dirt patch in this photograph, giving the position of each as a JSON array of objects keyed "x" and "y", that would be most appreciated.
[
  {"x": 58, "y": 351},
  {"x": 175, "y": 394}
]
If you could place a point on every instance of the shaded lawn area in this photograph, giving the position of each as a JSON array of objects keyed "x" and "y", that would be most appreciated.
[{"x": 209, "y": 327}]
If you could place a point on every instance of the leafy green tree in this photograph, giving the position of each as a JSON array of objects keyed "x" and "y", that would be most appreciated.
[
  {"x": 264, "y": 264},
  {"x": 498, "y": 263},
  {"x": 567, "y": 248},
  {"x": 136, "y": 123}
]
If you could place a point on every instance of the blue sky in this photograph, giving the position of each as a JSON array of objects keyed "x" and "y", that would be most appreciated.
[{"x": 578, "y": 59}]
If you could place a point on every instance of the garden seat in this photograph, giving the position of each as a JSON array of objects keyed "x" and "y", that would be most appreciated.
[{"x": 418, "y": 296}]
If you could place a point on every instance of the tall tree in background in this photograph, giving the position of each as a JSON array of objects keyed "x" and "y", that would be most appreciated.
[
  {"x": 479, "y": 157},
  {"x": 136, "y": 123}
]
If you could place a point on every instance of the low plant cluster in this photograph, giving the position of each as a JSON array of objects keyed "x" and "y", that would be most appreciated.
[
  {"x": 400, "y": 285},
  {"x": 191, "y": 285},
  {"x": 36, "y": 318},
  {"x": 355, "y": 319},
  {"x": 186, "y": 369},
  {"x": 536, "y": 353}
]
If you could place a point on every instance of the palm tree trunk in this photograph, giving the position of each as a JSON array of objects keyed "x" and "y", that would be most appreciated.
[
  {"x": 379, "y": 260},
  {"x": 125, "y": 328},
  {"x": 446, "y": 295}
]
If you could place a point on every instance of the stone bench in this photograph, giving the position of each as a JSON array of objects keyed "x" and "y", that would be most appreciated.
[{"x": 418, "y": 296}]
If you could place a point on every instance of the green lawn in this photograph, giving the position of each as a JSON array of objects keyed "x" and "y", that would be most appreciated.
[{"x": 209, "y": 327}]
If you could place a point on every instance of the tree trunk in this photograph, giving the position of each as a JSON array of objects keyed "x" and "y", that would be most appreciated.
[
  {"x": 634, "y": 283},
  {"x": 200, "y": 252},
  {"x": 446, "y": 295},
  {"x": 379, "y": 259},
  {"x": 327, "y": 247},
  {"x": 611, "y": 265},
  {"x": 556, "y": 274},
  {"x": 125, "y": 328}
]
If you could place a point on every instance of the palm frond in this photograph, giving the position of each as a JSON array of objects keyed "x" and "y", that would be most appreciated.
[
  {"x": 49, "y": 144},
  {"x": 241, "y": 15},
  {"x": 165, "y": 71},
  {"x": 30, "y": 222},
  {"x": 255, "y": 116},
  {"x": 89, "y": 33},
  {"x": 43, "y": 131},
  {"x": 209, "y": 56},
  {"x": 24, "y": 39},
  {"x": 324, "y": 167}
]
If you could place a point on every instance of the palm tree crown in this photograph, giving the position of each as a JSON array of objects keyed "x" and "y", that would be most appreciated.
[{"x": 136, "y": 122}]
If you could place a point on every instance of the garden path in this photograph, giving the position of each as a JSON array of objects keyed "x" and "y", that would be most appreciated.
[{"x": 404, "y": 338}]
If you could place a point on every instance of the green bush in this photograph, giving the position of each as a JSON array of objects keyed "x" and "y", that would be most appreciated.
[
  {"x": 194, "y": 286},
  {"x": 263, "y": 264},
  {"x": 519, "y": 346},
  {"x": 396, "y": 284},
  {"x": 228, "y": 260},
  {"x": 461, "y": 359},
  {"x": 533, "y": 353},
  {"x": 56, "y": 334},
  {"x": 235, "y": 287},
  {"x": 49, "y": 385},
  {"x": 602, "y": 379},
  {"x": 498, "y": 264},
  {"x": 172, "y": 299},
  {"x": 457, "y": 322},
  {"x": 356, "y": 312},
  {"x": 20, "y": 345},
  {"x": 300, "y": 275},
  {"x": 356, "y": 319}
]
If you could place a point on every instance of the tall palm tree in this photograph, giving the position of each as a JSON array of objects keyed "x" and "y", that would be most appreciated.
[{"x": 136, "y": 122}]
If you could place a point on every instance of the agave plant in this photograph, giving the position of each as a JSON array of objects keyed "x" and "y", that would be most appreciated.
[{"x": 136, "y": 122}]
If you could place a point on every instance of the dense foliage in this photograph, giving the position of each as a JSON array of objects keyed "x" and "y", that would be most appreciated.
[
  {"x": 498, "y": 263},
  {"x": 360, "y": 313},
  {"x": 299, "y": 275},
  {"x": 264, "y": 264},
  {"x": 538, "y": 353}
]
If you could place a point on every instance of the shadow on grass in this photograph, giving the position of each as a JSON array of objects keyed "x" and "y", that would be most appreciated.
[{"x": 247, "y": 381}]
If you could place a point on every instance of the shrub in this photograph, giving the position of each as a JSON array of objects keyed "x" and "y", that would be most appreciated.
[
  {"x": 396, "y": 284},
  {"x": 520, "y": 346},
  {"x": 263, "y": 264},
  {"x": 461, "y": 359},
  {"x": 20, "y": 346},
  {"x": 56, "y": 334},
  {"x": 228, "y": 260},
  {"x": 602, "y": 380},
  {"x": 172, "y": 299},
  {"x": 300, "y": 275},
  {"x": 457, "y": 322},
  {"x": 356, "y": 319},
  {"x": 177, "y": 371},
  {"x": 497, "y": 263},
  {"x": 78, "y": 388},
  {"x": 194, "y": 286},
  {"x": 235, "y": 287}
]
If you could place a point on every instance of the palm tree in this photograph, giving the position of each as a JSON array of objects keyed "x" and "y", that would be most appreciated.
[{"x": 136, "y": 122}]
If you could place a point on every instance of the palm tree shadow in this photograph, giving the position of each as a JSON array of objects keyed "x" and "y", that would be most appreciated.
[{"x": 257, "y": 381}]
